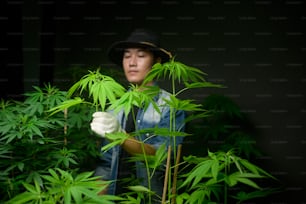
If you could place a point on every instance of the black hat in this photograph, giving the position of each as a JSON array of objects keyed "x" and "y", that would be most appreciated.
[{"x": 138, "y": 38}]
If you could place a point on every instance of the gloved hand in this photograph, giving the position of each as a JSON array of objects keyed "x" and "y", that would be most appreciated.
[{"x": 104, "y": 122}]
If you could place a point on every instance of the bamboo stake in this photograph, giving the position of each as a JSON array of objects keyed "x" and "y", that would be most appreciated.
[
  {"x": 179, "y": 150},
  {"x": 166, "y": 176}
]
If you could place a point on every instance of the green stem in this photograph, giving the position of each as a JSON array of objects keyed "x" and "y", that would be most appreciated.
[
  {"x": 148, "y": 170},
  {"x": 145, "y": 158},
  {"x": 225, "y": 185},
  {"x": 172, "y": 128},
  {"x": 181, "y": 91}
]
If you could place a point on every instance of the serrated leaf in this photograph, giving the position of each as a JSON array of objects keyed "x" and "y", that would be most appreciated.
[
  {"x": 139, "y": 188},
  {"x": 30, "y": 188},
  {"x": 66, "y": 104}
]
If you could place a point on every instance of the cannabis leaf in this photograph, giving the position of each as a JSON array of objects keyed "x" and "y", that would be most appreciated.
[
  {"x": 100, "y": 87},
  {"x": 176, "y": 71}
]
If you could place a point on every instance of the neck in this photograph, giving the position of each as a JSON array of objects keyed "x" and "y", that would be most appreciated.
[
  {"x": 151, "y": 83},
  {"x": 142, "y": 86}
]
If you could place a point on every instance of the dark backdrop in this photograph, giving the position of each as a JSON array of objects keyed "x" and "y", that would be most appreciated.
[{"x": 256, "y": 48}]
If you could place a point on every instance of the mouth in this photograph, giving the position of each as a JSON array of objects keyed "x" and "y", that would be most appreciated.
[{"x": 132, "y": 71}]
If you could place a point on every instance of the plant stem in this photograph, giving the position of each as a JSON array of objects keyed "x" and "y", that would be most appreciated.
[
  {"x": 225, "y": 185},
  {"x": 179, "y": 150},
  {"x": 148, "y": 170},
  {"x": 166, "y": 176}
]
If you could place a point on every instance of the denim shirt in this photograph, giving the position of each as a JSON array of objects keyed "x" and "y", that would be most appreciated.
[{"x": 150, "y": 118}]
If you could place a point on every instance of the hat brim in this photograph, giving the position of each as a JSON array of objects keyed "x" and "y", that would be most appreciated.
[{"x": 115, "y": 52}]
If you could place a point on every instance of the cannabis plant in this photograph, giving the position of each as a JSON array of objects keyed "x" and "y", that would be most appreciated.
[
  {"x": 64, "y": 187},
  {"x": 35, "y": 144},
  {"x": 104, "y": 94},
  {"x": 213, "y": 177},
  {"x": 98, "y": 92}
]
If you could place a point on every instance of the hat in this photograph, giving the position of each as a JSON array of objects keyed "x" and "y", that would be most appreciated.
[{"x": 138, "y": 38}]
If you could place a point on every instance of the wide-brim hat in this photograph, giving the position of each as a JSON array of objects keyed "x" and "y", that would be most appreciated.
[{"x": 139, "y": 38}]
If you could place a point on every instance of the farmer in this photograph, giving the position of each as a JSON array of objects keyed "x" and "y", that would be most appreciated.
[{"x": 137, "y": 54}]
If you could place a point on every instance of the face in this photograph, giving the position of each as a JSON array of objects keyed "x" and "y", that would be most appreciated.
[{"x": 137, "y": 62}]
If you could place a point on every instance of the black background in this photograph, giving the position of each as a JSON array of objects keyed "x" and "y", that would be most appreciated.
[{"x": 255, "y": 48}]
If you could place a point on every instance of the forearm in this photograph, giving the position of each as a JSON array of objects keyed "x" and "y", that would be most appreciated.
[{"x": 133, "y": 146}]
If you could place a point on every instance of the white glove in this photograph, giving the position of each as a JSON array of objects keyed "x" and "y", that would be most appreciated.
[{"x": 104, "y": 122}]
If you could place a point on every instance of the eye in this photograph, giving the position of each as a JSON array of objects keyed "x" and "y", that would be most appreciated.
[
  {"x": 126, "y": 55},
  {"x": 141, "y": 54}
]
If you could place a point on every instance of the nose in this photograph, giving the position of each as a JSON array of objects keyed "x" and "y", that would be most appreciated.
[{"x": 133, "y": 61}]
